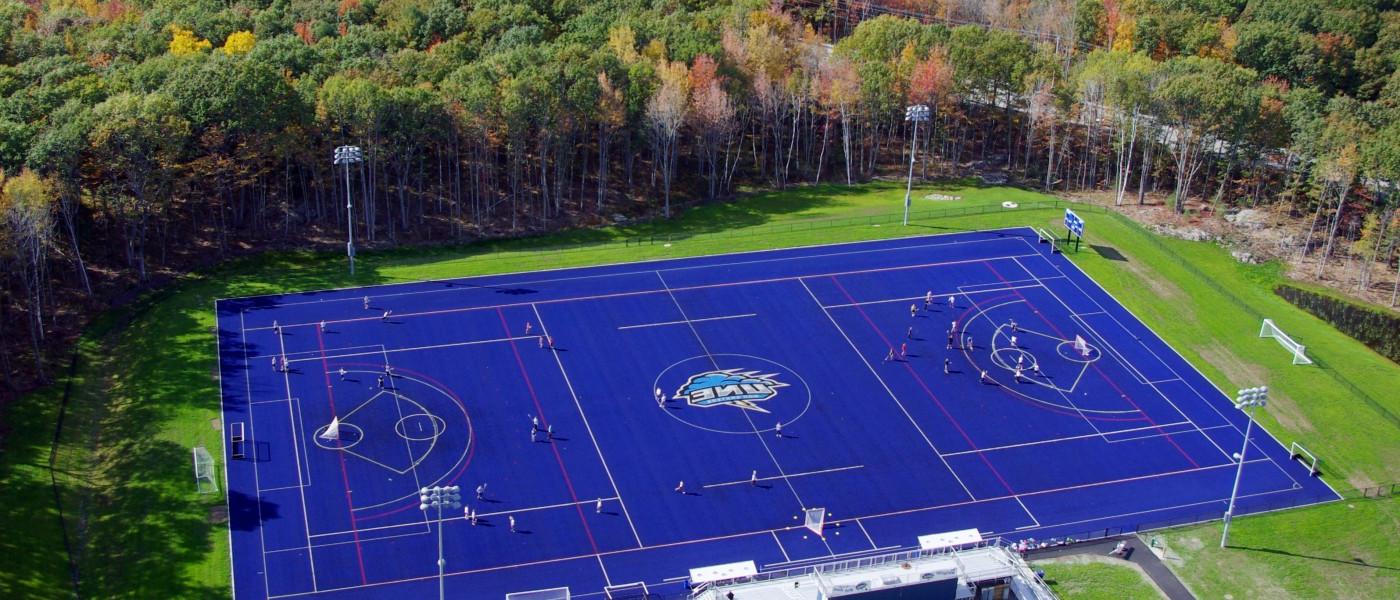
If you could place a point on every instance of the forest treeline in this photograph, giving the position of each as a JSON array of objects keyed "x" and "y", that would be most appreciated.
[{"x": 140, "y": 137}]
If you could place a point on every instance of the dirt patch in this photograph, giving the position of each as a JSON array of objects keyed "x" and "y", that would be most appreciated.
[
  {"x": 1193, "y": 544},
  {"x": 1160, "y": 285},
  {"x": 1360, "y": 481},
  {"x": 1281, "y": 405}
]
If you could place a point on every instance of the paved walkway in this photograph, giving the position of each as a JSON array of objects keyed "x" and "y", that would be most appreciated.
[{"x": 1141, "y": 556}]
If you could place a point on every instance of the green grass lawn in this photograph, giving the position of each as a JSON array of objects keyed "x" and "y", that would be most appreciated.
[
  {"x": 1085, "y": 578},
  {"x": 144, "y": 391}
]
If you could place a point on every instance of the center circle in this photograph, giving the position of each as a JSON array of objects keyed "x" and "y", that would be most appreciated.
[
  {"x": 436, "y": 423},
  {"x": 1006, "y": 358},
  {"x": 350, "y": 436},
  {"x": 1067, "y": 351},
  {"x": 732, "y": 393}
]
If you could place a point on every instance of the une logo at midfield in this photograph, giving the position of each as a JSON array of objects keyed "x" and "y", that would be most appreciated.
[{"x": 733, "y": 387}]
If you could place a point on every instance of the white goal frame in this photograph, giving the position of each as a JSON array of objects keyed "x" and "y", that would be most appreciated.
[
  {"x": 814, "y": 519},
  {"x": 205, "y": 481},
  {"x": 1296, "y": 452},
  {"x": 1269, "y": 329}
]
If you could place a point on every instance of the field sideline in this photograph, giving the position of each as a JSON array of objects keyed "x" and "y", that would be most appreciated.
[{"x": 143, "y": 393}]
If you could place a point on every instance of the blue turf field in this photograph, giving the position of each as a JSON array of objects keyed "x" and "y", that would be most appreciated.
[{"x": 1129, "y": 435}]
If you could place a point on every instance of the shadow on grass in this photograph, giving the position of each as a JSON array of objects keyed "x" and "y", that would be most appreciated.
[
  {"x": 35, "y": 562},
  {"x": 1109, "y": 252},
  {"x": 1355, "y": 562},
  {"x": 704, "y": 219}
]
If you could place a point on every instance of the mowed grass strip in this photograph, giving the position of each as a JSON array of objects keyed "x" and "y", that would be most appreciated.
[
  {"x": 145, "y": 391},
  {"x": 1086, "y": 577}
]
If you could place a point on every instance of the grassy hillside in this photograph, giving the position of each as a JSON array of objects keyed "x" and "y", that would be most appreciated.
[{"x": 144, "y": 389}]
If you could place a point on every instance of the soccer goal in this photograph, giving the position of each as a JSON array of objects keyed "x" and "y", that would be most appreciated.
[
  {"x": 1269, "y": 329},
  {"x": 1297, "y": 452},
  {"x": 814, "y": 519},
  {"x": 332, "y": 431},
  {"x": 1081, "y": 346},
  {"x": 204, "y": 481}
]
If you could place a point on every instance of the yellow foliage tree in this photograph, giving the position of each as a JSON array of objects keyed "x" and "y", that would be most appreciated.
[
  {"x": 239, "y": 42},
  {"x": 184, "y": 41},
  {"x": 1123, "y": 35},
  {"x": 623, "y": 42}
]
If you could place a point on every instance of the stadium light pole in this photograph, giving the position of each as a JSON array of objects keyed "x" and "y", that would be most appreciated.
[
  {"x": 915, "y": 113},
  {"x": 1245, "y": 400},
  {"x": 347, "y": 155},
  {"x": 437, "y": 497}
]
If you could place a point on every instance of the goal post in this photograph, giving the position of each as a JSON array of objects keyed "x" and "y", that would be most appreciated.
[
  {"x": 1270, "y": 330},
  {"x": 332, "y": 431},
  {"x": 814, "y": 519},
  {"x": 1297, "y": 452},
  {"x": 204, "y": 478},
  {"x": 1081, "y": 346}
]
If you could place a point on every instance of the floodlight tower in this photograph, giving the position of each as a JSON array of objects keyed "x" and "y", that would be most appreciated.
[
  {"x": 1247, "y": 398},
  {"x": 347, "y": 155},
  {"x": 437, "y": 497},
  {"x": 915, "y": 113}
]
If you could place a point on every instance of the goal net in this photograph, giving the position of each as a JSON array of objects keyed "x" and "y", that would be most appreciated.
[
  {"x": 814, "y": 519},
  {"x": 332, "y": 431},
  {"x": 1270, "y": 330},
  {"x": 204, "y": 481},
  {"x": 1297, "y": 452}
]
